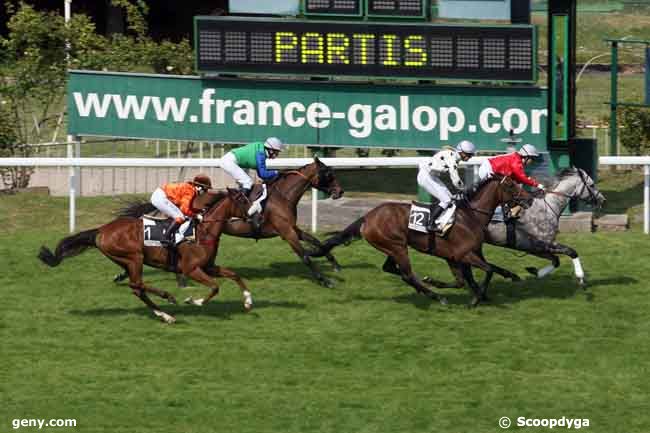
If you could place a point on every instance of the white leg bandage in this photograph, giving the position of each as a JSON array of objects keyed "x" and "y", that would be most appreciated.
[
  {"x": 545, "y": 271},
  {"x": 229, "y": 165},
  {"x": 577, "y": 266}
]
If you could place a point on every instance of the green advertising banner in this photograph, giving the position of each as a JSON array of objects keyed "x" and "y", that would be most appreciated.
[{"x": 303, "y": 112}]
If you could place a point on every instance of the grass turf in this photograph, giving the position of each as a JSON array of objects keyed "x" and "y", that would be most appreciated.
[{"x": 367, "y": 356}]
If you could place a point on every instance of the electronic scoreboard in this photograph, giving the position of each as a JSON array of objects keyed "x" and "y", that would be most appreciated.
[{"x": 362, "y": 48}]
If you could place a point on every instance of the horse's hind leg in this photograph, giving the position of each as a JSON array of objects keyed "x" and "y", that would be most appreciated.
[
  {"x": 290, "y": 235},
  {"x": 315, "y": 242},
  {"x": 133, "y": 266}
]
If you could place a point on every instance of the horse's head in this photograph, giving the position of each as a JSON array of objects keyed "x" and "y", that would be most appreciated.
[
  {"x": 326, "y": 181},
  {"x": 512, "y": 194},
  {"x": 586, "y": 190}
]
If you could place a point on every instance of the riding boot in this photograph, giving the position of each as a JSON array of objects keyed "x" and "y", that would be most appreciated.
[
  {"x": 168, "y": 240},
  {"x": 256, "y": 222},
  {"x": 435, "y": 212}
]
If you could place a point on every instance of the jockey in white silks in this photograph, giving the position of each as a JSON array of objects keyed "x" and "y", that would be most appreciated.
[{"x": 445, "y": 161}]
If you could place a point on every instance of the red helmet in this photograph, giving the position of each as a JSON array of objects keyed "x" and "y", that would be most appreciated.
[{"x": 202, "y": 180}]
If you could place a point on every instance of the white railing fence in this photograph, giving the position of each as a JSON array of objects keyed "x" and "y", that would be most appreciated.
[{"x": 75, "y": 163}]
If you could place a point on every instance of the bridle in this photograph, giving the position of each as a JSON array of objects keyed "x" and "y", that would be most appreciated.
[
  {"x": 314, "y": 180},
  {"x": 593, "y": 197}
]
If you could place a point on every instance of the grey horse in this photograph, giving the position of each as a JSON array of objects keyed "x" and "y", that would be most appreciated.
[{"x": 535, "y": 231}]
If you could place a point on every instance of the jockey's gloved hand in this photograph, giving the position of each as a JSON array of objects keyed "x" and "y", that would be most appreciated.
[
  {"x": 540, "y": 186},
  {"x": 199, "y": 217}
]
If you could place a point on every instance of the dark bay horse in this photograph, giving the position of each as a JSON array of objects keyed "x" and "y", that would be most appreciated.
[
  {"x": 280, "y": 212},
  {"x": 386, "y": 228},
  {"x": 122, "y": 241},
  {"x": 535, "y": 231}
]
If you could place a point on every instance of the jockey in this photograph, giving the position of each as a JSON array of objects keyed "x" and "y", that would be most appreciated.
[
  {"x": 444, "y": 161},
  {"x": 175, "y": 201},
  {"x": 252, "y": 155},
  {"x": 512, "y": 164}
]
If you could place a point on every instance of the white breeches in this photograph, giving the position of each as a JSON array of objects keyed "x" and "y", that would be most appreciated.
[
  {"x": 485, "y": 170},
  {"x": 229, "y": 165},
  {"x": 435, "y": 187},
  {"x": 162, "y": 203}
]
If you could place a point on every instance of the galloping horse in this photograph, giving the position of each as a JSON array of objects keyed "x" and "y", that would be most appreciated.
[
  {"x": 386, "y": 228},
  {"x": 535, "y": 231},
  {"x": 280, "y": 212},
  {"x": 122, "y": 241}
]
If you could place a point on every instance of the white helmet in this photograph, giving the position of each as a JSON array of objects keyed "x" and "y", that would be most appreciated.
[
  {"x": 466, "y": 147},
  {"x": 274, "y": 143},
  {"x": 528, "y": 150}
]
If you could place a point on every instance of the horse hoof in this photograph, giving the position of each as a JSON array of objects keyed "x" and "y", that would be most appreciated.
[
  {"x": 192, "y": 301},
  {"x": 473, "y": 303},
  {"x": 582, "y": 283},
  {"x": 337, "y": 268},
  {"x": 168, "y": 319},
  {"x": 515, "y": 278},
  {"x": 327, "y": 283},
  {"x": 427, "y": 280},
  {"x": 119, "y": 277},
  {"x": 532, "y": 270},
  {"x": 443, "y": 300}
]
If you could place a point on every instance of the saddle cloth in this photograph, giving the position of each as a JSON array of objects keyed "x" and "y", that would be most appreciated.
[
  {"x": 154, "y": 230},
  {"x": 420, "y": 214}
]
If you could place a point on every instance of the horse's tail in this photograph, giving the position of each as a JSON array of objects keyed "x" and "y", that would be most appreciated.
[
  {"x": 136, "y": 208},
  {"x": 68, "y": 247},
  {"x": 349, "y": 234}
]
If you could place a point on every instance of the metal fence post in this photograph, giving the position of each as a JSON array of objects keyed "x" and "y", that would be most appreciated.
[
  {"x": 314, "y": 210},
  {"x": 646, "y": 199},
  {"x": 72, "y": 185}
]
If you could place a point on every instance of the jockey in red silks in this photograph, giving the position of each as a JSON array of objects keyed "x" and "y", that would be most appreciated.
[{"x": 512, "y": 165}]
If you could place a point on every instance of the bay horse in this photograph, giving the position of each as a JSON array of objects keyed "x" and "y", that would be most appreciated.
[
  {"x": 122, "y": 241},
  {"x": 535, "y": 231},
  {"x": 386, "y": 228},
  {"x": 280, "y": 212}
]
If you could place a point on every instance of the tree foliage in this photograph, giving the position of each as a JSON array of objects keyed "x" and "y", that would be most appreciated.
[
  {"x": 635, "y": 130},
  {"x": 39, "y": 49}
]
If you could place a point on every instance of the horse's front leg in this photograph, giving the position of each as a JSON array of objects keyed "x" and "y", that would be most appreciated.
[
  {"x": 222, "y": 272},
  {"x": 454, "y": 267},
  {"x": 200, "y": 275},
  {"x": 290, "y": 234},
  {"x": 315, "y": 242},
  {"x": 474, "y": 258},
  {"x": 549, "y": 249}
]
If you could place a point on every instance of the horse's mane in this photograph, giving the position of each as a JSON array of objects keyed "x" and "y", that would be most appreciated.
[{"x": 473, "y": 189}]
